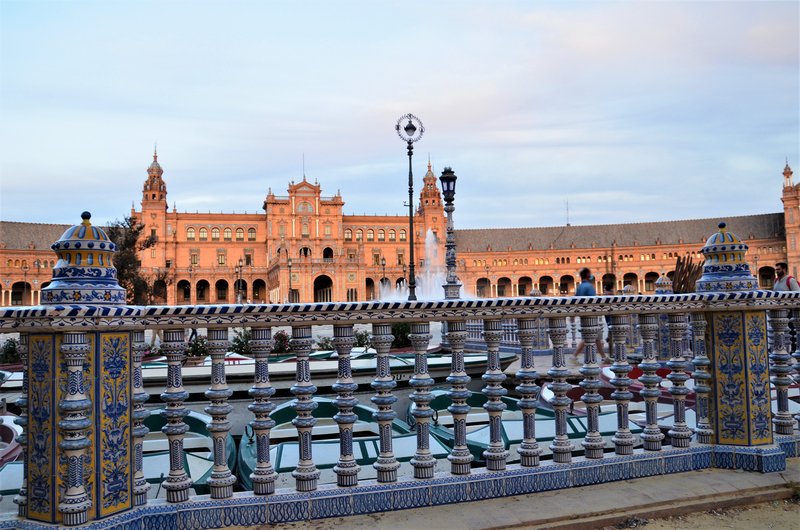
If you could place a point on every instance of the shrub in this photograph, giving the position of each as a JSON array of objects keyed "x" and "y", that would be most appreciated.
[
  {"x": 362, "y": 339},
  {"x": 197, "y": 347},
  {"x": 401, "y": 331},
  {"x": 324, "y": 343},
  {"x": 281, "y": 344},
  {"x": 241, "y": 342},
  {"x": 10, "y": 354}
]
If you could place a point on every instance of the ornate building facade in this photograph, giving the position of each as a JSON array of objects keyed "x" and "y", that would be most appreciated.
[{"x": 303, "y": 248}]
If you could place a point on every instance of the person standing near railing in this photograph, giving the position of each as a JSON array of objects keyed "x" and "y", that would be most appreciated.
[
  {"x": 586, "y": 288},
  {"x": 784, "y": 282}
]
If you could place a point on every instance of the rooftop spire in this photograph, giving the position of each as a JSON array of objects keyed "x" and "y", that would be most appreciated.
[{"x": 787, "y": 175}]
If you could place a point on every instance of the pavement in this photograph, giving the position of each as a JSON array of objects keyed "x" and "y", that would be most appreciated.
[{"x": 588, "y": 507}]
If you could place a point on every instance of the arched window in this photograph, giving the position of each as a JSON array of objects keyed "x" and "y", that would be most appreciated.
[
  {"x": 190, "y": 233},
  {"x": 381, "y": 235},
  {"x": 370, "y": 235},
  {"x": 10, "y": 263},
  {"x": 348, "y": 235},
  {"x": 203, "y": 234},
  {"x": 228, "y": 234},
  {"x": 215, "y": 234},
  {"x": 392, "y": 235},
  {"x": 402, "y": 235},
  {"x": 305, "y": 207},
  {"x": 251, "y": 234},
  {"x": 240, "y": 234},
  {"x": 359, "y": 235}
]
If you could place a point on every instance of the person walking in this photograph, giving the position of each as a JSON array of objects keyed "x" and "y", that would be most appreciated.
[
  {"x": 586, "y": 288},
  {"x": 784, "y": 282}
]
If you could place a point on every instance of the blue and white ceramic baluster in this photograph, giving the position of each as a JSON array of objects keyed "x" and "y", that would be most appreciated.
[
  {"x": 74, "y": 426},
  {"x": 593, "y": 443},
  {"x": 648, "y": 328},
  {"x": 221, "y": 481},
  {"x": 21, "y": 500},
  {"x": 573, "y": 332},
  {"x": 177, "y": 483},
  {"x": 460, "y": 457},
  {"x": 795, "y": 314},
  {"x": 529, "y": 450},
  {"x": 623, "y": 438},
  {"x": 561, "y": 446},
  {"x": 781, "y": 369},
  {"x": 263, "y": 476},
  {"x": 306, "y": 473},
  {"x": 702, "y": 379},
  {"x": 346, "y": 468},
  {"x": 140, "y": 414},
  {"x": 680, "y": 433},
  {"x": 495, "y": 454},
  {"x": 423, "y": 462},
  {"x": 386, "y": 464}
]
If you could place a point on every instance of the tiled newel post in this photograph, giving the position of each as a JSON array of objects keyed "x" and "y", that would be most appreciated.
[
  {"x": 737, "y": 347},
  {"x": 79, "y": 458}
]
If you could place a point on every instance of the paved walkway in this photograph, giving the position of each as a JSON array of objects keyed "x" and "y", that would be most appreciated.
[{"x": 587, "y": 507}]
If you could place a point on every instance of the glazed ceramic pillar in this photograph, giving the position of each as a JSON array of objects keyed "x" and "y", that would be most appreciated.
[
  {"x": 796, "y": 357},
  {"x": 648, "y": 328},
  {"x": 386, "y": 464},
  {"x": 177, "y": 483},
  {"x": 460, "y": 457},
  {"x": 561, "y": 446},
  {"x": 623, "y": 438},
  {"x": 221, "y": 480},
  {"x": 495, "y": 454},
  {"x": 140, "y": 414},
  {"x": 74, "y": 426},
  {"x": 21, "y": 500},
  {"x": 593, "y": 443},
  {"x": 680, "y": 433},
  {"x": 263, "y": 476},
  {"x": 346, "y": 468},
  {"x": 702, "y": 379},
  {"x": 423, "y": 462},
  {"x": 529, "y": 450},
  {"x": 781, "y": 369},
  {"x": 305, "y": 474},
  {"x": 573, "y": 328}
]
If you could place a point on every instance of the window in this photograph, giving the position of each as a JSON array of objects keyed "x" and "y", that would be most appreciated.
[
  {"x": 282, "y": 230},
  {"x": 359, "y": 235},
  {"x": 228, "y": 234},
  {"x": 376, "y": 259},
  {"x": 220, "y": 259},
  {"x": 304, "y": 230},
  {"x": 194, "y": 259},
  {"x": 402, "y": 235},
  {"x": 381, "y": 235},
  {"x": 328, "y": 230},
  {"x": 392, "y": 235},
  {"x": 169, "y": 263},
  {"x": 190, "y": 233},
  {"x": 352, "y": 294},
  {"x": 153, "y": 233},
  {"x": 239, "y": 234},
  {"x": 370, "y": 235},
  {"x": 203, "y": 234},
  {"x": 248, "y": 260},
  {"x": 348, "y": 235},
  {"x": 401, "y": 259},
  {"x": 215, "y": 234},
  {"x": 251, "y": 234},
  {"x": 152, "y": 253},
  {"x": 305, "y": 207}
]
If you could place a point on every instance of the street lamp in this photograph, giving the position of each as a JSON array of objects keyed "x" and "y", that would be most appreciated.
[
  {"x": 290, "y": 280},
  {"x": 25, "y": 283},
  {"x": 488, "y": 281},
  {"x": 191, "y": 285},
  {"x": 238, "y": 270},
  {"x": 451, "y": 288},
  {"x": 410, "y": 133},
  {"x": 758, "y": 277},
  {"x": 383, "y": 278}
]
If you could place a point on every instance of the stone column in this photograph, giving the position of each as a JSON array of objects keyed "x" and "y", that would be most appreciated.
[
  {"x": 623, "y": 439},
  {"x": 648, "y": 328},
  {"x": 561, "y": 446},
  {"x": 529, "y": 450},
  {"x": 306, "y": 474},
  {"x": 460, "y": 458},
  {"x": 140, "y": 414},
  {"x": 221, "y": 480},
  {"x": 386, "y": 464},
  {"x": 177, "y": 482},
  {"x": 423, "y": 462},
  {"x": 263, "y": 476},
  {"x": 496, "y": 454},
  {"x": 593, "y": 443},
  {"x": 346, "y": 468}
]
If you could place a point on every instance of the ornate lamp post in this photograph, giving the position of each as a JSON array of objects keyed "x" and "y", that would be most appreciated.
[
  {"x": 383, "y": 278},
  {"x": 452, "y": 289},
  {"x": 238, "y": 269},
  {"x": 489, "y": 294},
  {"x": 25, "y": 284},
  {"x": 290, "y": 280},
  {"x": 410, "y": 133},
  {"x": 404, "y": 273}
]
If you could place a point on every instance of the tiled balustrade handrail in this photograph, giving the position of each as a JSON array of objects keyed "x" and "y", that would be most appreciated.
[{"x": 74, "y": 321}]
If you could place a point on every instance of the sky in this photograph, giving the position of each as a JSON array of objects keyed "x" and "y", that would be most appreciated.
[{"x": 614, "y": 112}]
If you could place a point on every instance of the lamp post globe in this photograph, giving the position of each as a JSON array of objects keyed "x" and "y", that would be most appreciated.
[
  {"x": 452, "y": 289},
  {"x": 410, "y": 129}
]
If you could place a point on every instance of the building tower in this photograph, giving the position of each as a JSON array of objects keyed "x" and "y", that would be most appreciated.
[
  {"x": 430, "y": 216},
  {"x": 791, "y": 215},
  {"x": 153, "y": 216}
]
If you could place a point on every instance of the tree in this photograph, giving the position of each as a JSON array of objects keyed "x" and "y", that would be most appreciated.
[{"x": 128, "y": 236}]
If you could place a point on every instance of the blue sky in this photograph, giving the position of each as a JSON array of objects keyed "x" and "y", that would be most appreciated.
[{"x": 631, "y": 111}]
